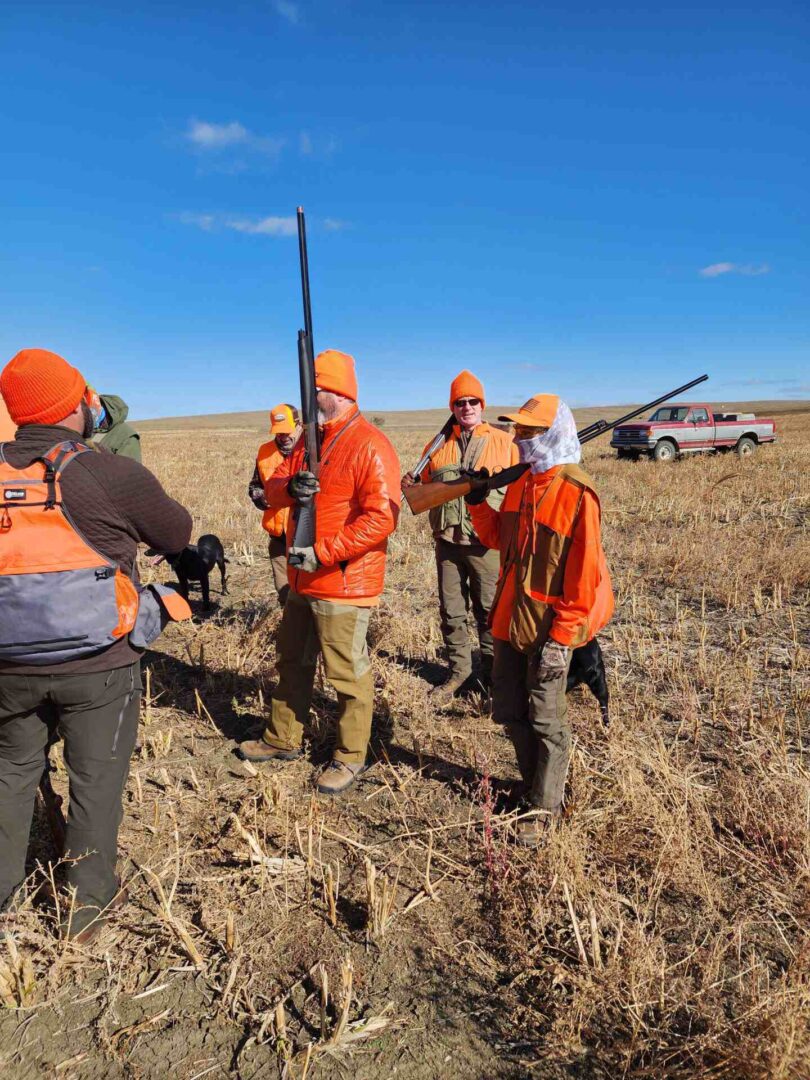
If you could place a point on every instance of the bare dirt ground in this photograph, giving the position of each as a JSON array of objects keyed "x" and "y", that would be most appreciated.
[{"x": 662, "y": 932}]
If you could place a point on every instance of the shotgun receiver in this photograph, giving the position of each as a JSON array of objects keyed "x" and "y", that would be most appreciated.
[
  {"x": 304, "y": 535},
  {"x": 422, "y": 497},
  {"x": 436, "y": 442}
]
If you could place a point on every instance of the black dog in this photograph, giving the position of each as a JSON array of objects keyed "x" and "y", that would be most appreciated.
[
  {"x": 195, "y": 563},
  {"x": 588, "y": 666}
]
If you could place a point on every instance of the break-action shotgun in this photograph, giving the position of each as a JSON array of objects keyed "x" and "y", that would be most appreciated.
[{"x": 422, "y": 497}]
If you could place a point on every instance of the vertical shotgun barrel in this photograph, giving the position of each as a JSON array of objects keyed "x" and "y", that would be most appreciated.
[{"x": 304, "y": 535}]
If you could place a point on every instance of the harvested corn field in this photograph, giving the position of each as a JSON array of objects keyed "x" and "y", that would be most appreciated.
[{"x": 397, "y": 931}]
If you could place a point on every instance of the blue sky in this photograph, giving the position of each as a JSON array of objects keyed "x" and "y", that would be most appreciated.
[{"x": 591, "y": 199}]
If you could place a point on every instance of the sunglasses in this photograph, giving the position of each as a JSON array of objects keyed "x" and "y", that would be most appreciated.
[{"x": 461, "y": 402}]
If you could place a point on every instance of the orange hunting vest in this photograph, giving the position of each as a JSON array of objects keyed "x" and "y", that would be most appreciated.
[
  {"x": 60, "y": 598},
  {"x": 534, "y": 544},
  {"x": 268, "y": 460}
]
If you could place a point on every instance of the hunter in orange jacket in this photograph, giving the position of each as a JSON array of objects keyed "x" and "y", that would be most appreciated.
[
  {"x": 285, "y": 428},
  {"x": 357, "y": 510},
  {"x": 553, "y": 595},
  {"x": 337, "y": 581}
]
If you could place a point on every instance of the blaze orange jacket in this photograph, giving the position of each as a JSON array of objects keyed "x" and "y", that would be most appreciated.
[
  {"x": 356, "y": 510},
  {"x": 554, "y": 578},
  {"x": 268, "y": 459}
]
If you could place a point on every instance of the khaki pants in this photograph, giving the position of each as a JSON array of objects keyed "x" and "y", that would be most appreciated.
[
  {"x": 310, "y": 626},
  {"x": 97, "y": 717},
  {"x": 277, "y": 549},
  {"x": 467, "y": 575},
  {"x": 535, "y": 716}
]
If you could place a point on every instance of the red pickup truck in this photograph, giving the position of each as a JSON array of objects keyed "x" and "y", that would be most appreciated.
[{"x": 689, "y": 429}]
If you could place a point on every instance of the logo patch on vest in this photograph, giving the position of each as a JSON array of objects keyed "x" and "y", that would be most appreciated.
[{"x": 15, "y": 494}]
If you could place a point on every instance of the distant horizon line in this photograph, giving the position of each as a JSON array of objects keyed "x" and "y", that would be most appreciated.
[{"x": 490, "y": 411}]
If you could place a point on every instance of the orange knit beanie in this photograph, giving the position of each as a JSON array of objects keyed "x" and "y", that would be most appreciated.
[
  {"x": 335, "y": 371},
  {"x": 40, "y": 387},
  {"x": 465, "y": 384}
]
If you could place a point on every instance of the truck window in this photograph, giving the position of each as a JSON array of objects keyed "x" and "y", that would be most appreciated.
[
  {"x": 700, "y": 416},
  {"x": 670, "y": 414}
]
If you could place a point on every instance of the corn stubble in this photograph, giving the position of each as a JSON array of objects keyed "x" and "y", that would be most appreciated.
[{"x": 661, "y": 932}]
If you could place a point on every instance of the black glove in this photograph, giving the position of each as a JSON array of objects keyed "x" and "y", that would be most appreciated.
[
  {"x": 256, "y": 495},
  {"x": 480, "y": 489},
  {"x": 303, "y": 487}
]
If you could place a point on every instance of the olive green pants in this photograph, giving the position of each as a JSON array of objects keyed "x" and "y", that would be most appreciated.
[
  {"x": 535, "y": 717},
  {"x": 338, "y": 631},
  {"x": 468, "y": 575},
  {"x": 277, "y": 550}
]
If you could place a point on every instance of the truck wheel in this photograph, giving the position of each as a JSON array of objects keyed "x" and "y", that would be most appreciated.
[
  {"x": 745, "y": 447},
  {"x": 664, "y": 451}
]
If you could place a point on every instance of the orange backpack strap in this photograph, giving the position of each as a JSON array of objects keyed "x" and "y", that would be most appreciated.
[{"x": 55, "y": 462}]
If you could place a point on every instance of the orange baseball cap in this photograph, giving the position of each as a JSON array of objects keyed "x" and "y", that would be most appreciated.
[
  {"x": 335, "y": 371},
  {"x": 40, "y": 387},
  {"x": 283, "y": 419},
  {"x": 538, "y": 411}
]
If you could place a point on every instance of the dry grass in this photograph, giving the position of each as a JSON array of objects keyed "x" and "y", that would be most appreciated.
[{"x": 661, "y": 933}]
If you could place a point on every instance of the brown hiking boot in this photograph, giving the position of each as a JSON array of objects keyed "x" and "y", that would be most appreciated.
[
  {"x": 442, "y": 696},
  {"x": 338, "y": 776},
  {"x": 534, "y": 826},
  {"x": 258, "y": 750}
]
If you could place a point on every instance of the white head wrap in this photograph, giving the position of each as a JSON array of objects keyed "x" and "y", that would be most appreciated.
[{"x": 557, "y": 446}]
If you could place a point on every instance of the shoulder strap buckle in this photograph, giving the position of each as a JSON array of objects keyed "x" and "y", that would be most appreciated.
[{"x": 55, "y": 462}]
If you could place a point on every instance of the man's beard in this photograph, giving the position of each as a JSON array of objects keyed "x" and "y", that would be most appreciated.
[{"x": 89, "y": 421}]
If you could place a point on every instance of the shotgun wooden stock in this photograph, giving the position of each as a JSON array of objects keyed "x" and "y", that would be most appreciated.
[{"x": 422, "y": 497}]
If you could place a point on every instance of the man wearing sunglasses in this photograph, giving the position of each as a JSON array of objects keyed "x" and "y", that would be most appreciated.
[{"x": 467, "y": 570}]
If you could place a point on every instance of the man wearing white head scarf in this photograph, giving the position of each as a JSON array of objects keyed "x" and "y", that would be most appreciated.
[{"x": 553, "y": 595}]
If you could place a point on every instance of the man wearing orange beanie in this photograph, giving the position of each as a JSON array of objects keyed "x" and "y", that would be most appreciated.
[
  {"x": 337, "y": 581},
  {"x": 467, "y": 570},
  {"x": 62, "y": 557}
]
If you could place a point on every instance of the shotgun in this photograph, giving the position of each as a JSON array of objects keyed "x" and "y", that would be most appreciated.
[
  {"x": 422, "y": 497},
  {"x": 304, "y": 535},
  {"x": 436, "y": 442}
]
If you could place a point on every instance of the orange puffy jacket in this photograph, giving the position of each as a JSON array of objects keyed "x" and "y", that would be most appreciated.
[
  {"x": 268, "y": 459},
  {"x": 356, "y": 510}
]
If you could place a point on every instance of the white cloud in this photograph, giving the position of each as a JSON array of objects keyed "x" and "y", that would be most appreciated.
[
  {"x": 212, "y": 138},
  {"x": 268, "y": 226},
  {"x": 206, "y": 222},
  {"x": 215, "y": 136},
  {"x": 746, "y": 269},
  {"x": 334, "y": 224},
  {"x": 289, "y": 11},
  {"x": 305, "y": 143}
]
